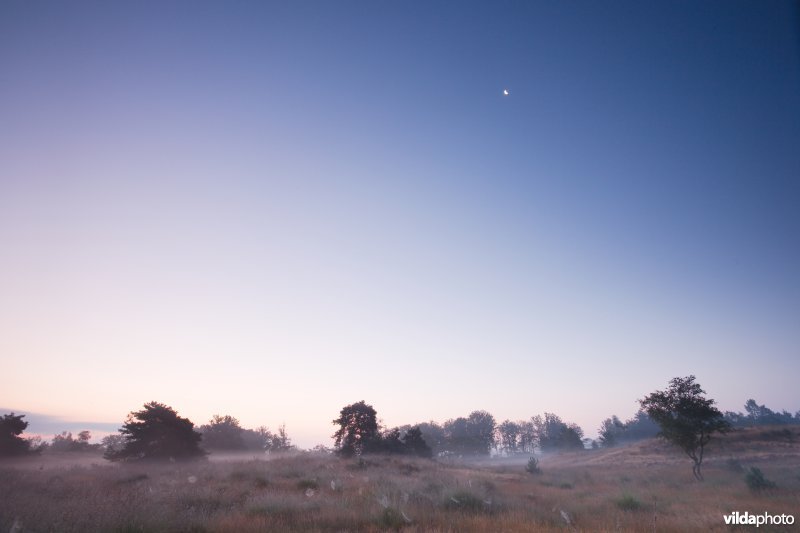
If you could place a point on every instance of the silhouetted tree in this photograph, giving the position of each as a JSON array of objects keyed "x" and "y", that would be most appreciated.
[
  {"x": 754, "y": 411},
  {"x": 527, "y": 436},
  {"x": 640, "y": 427},
  {"x": 611, "y": 431},
  {"x": 281, "y": 441},
  {"x": 456, "y": 436},
  {"x": 112, "y": 443},
  {"x": 390, "y": 442},
  {"x": 262, "y": 439},
  {"x": 65, "y": 442},
  {"x": 358, "y": 430},
  {"x": 11, "y": 427},
  {"x": 481, "y": 428},
  {"x": 686, "y": 417},
  {"x": 222, "y": 433},
  {"x": 157, "y": 432},
  {"x": 414, "y": 443},
  {"x": 434, "y": 436},
  {"x": 474, "y": 435},
  {"x": 509, "y": 433},
  {"x": 761, "y": 415},
  {"x": 259, "y": 439},
  {"x": 553, "y": 434}
]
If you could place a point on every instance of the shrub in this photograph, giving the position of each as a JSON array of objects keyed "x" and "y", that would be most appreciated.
[
  {"x": 778, "y": 435},
  {"x": 133, "y": 479},
  {"x": 305, "y": 484},
  {"x": 392, "y": 519},
  {"x": 629, "y": 502},
  {"x": 465, "y": 501},
  {"x": 756, "y": 481},
  {"x": 533, "y": 466}
]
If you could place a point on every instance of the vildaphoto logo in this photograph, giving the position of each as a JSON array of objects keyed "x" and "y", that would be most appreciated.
[{"x": 748, "y": 519}]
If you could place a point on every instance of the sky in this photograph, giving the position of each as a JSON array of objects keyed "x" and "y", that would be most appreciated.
[{"x": 275, "y": 209}]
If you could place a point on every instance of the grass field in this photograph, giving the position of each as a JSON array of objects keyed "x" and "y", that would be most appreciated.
[{"x": 642, "y": 487}]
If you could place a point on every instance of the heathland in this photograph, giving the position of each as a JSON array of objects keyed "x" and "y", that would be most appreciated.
[{"x": 645, "y": 486}]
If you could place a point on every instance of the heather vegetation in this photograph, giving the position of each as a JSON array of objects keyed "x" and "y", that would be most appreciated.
[
  {"x": 627, "y": 488},
  {"x": 162, "y": 473}
]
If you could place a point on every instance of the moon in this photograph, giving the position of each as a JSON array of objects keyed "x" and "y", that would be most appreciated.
[{"x": 505, "y": 92}]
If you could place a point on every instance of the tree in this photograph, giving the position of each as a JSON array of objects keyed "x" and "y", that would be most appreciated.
[
  {"x": 403, "y": 440},
  {"x": 509, "y": 433},
  {"x": 281, "y": 441},
  {"x": 222, "y": 433},
  {"x": 258, "y": 439},
  {"x": 687, "y": 418},
  {"x": 527, "y": 436},
  {"x": 611, "y": 432},
  {"x": 65, "y": 442},
  {"x": 457, "y": 439},
  {"x": 761, "y": 415},
  {"x": 481, "y": 428},
  {"x": 474, "y": 435},
  {"x": 434, "y": 436},
  {"x": 157, "y": 432},
  {"x": 640, "y": 427},
  {"x": 754, "y": 411},
  {"x": 11, "y": 427},
  {"x": 112, "y": 443},
  {"x": 358, "y": 430},
  {"x": 391, "y": 443},
  {"x": 415, "y": 444},
  {"x": 553, "y": 434}
]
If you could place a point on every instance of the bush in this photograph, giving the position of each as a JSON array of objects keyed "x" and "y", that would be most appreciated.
[
  {"x": 533, "y": 466},
  {"x": 465, "y": 501},
  {"x": 392, "y": 519},
  {"x": 756, "y": 481},
  {"x": 629, "y": 502},
  {"x": 305, "y": 484},
  {"x": 778, "y": 435}
]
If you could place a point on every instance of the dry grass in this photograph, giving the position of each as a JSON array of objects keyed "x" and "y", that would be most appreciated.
[{"x": 639, "y": 488}]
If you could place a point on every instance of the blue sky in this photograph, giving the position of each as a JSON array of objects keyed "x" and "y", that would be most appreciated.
[{"x": 271, "y": 210}]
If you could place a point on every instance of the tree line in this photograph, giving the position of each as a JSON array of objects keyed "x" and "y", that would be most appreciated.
[
  {"x": 154, "y": 432},
  {"x": 614, "y": 432},
  {"x": 680, "y": 414},
  {"x": 358, "y": 432}
]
